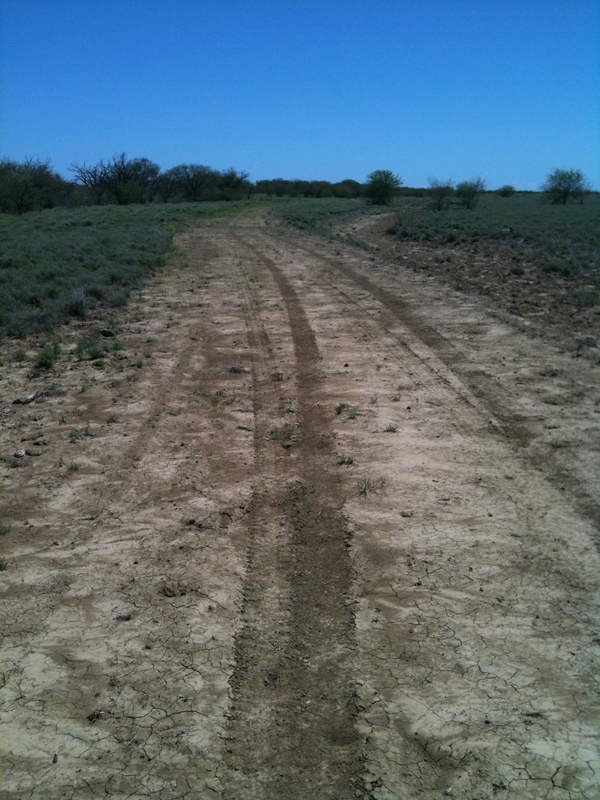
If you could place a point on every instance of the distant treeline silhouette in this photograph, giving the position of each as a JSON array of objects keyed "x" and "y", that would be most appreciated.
[{"x": 34, "y": 185}]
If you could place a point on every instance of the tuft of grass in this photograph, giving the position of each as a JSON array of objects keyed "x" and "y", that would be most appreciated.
[
  {"x": 285, "y": 434},
  {"x": 4, "y": 529},
  {"x": 344, "y": 458},
  {"x": 391, "y": 428},
  {"x": 74, "y": 467},
  {"x": 91, "y": 349},
  {"x": 353, "y": 413},
  {"x": 3, "y": 564},
  {"x": 341, "y": 407},
  {"x": 20, "y": 355},
  {"x": 48, "y": 355},
  {"x": 365, "y": 486},
  {"x": 79, "y": 433}
]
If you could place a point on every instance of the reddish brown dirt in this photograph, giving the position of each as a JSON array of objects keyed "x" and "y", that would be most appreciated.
[{"x": 199, "y": 601}]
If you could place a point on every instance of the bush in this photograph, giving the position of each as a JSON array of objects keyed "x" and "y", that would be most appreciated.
[
  {"x": 506, "y": 191},
  {"x": 381, "y": 186},
  {"x": 566, "y": 185}
]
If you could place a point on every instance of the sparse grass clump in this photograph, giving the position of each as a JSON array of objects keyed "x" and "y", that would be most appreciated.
[
  {"x": 285, "y": 434},
  {"x": 77, "y": 434},
  {"x": 391, "y": 428},
  {"x": 4, "y": 529},
  {"x": 48, "y": 355},
  {"x": 365, "y": 486},
  {"x": 344, "y": 458},
  {"x": 3, "y": 564}
]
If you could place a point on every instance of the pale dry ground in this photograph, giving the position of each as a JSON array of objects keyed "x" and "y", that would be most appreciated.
[{"x": 200, "y": 602}]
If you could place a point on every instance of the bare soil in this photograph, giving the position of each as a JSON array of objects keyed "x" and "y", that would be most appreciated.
[{"x": 200, "y": 601}]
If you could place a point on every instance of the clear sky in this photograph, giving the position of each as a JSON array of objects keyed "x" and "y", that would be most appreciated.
[{"x": 312, "y": 89}]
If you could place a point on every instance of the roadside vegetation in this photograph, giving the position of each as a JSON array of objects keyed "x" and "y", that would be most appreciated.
[
  {"x": 60, "y": 264},
  {"x": 69, "y": 247}
]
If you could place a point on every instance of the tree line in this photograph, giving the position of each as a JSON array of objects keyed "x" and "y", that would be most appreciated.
[{"x": 33, "y": 185}]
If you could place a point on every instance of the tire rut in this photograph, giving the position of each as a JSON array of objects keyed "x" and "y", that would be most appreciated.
[
  {"x": 292, "y": 719},
  {"x": 481, "y": 385}
]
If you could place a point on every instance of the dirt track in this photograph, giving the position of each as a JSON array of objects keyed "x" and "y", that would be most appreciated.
[{"x": 201, "y": 602}]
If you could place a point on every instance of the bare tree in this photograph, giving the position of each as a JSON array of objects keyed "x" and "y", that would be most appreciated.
[
  {"x": 468, "y": 191},
  {"x": 440, "y": 192}
]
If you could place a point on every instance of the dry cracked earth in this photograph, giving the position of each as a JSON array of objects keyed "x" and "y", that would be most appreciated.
[{"x": 322, "y": 529}]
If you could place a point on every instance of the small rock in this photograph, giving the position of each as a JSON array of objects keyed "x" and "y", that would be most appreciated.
[
  {"x": 107, "y": 333},
  {"x": 19, "y": 453}
]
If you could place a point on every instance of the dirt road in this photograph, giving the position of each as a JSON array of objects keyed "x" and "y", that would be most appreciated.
[{"x": 320, "y": 529}]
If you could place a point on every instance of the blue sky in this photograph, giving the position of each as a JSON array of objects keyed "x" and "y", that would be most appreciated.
[{"x": 312, "y": 89}]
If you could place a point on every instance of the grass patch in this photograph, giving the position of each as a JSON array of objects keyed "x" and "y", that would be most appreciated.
[
  {"x": 285, "y": 434},
  {"x": 365, "y": 486},
  {"x": 79, "y": 433},
  {"x": 525, "y": 216},
  {"x": 58, "y": 264},
  {"x": 48, "y": 355},
  {"x": 344, "y": 458},
  {"x": 4, "y": 529},
  {"x": 318, "y": 215}
]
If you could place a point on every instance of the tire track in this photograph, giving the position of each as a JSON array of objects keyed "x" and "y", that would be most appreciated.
[
  {"x": 292, "y": 728},
  {"x": 483, "y": 387}
]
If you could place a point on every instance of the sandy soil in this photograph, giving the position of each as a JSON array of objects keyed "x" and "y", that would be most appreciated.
[{"x": 199, "y": 601}]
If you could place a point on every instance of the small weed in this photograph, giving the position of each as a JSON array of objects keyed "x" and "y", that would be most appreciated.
[
  {"x": 365, "y": 486},
  {"x": 112, "y": 419},
  {"x": 285, "y": 434},
  {"x": 60, "y": 462},
  {"x": 74, "y": 467},
  {"x": 90, "y": 349},
  {"x": 391, "y": 428},
  {"x": 20, "y": 355},
  {"x": 352, "y": 414},
  {"x": 82, "y": 389},
  {"x": 344, "y": 458},
  {"x": 48, "y": 354},
  {"x": 374, "y": 400},
  {"x": 139, "y": 363},
  {"x": 3, "y": 564},
  {"x": 396, "y": 398},
  {"x": 278, "y": 375},
  {"x": 78, "y": 433},
  {"x": 339, "y": 409},
  {"x": 4, "y": 529}
]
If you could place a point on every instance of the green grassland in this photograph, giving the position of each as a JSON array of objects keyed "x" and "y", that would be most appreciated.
[
  {"x": 523, "y": 216},
  {"x": 61, "y": 263}
]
